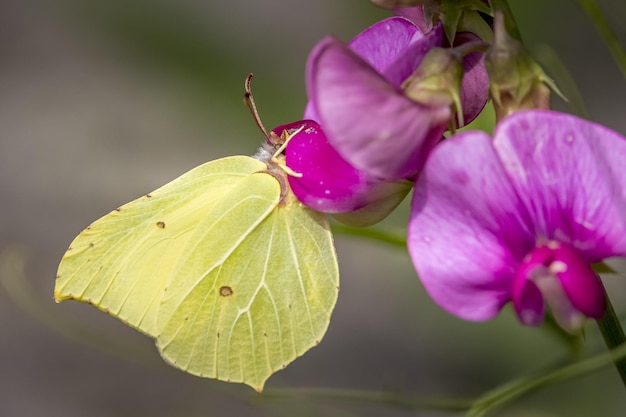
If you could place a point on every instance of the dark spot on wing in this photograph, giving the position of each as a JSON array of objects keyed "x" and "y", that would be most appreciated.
[
  {"x": 226, "y": 291},
  {"x": 161, "y": 225}
]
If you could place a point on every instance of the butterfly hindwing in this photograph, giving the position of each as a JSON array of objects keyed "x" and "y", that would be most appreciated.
[{"x": 267, "y": 304}]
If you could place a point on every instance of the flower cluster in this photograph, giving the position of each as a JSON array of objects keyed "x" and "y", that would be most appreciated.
[{"x": 517, "y": 218}]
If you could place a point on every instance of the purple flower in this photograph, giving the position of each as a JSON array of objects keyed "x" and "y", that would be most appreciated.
[
  {"x": 355, "y": 95},
  {"x": 520, "y": 218}
]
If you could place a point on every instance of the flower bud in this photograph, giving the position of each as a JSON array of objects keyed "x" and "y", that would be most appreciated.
[
  {"x": 517, "y": 82},
  {"x": 323, "y": 181}
]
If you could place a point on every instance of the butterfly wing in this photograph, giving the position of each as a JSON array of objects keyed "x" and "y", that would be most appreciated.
[
  {"x": 233, "y": 280},
  {"x": 122, "y": 262},
  {"x": 268, "y": 303}
]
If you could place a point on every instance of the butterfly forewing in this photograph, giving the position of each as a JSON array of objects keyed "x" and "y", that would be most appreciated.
[{"x": 122, "y": 262}]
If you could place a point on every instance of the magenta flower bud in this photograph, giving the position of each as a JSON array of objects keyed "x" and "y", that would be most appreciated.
[
  {"x": 325, "y": 182},
  {"x": 520, "y": 218}
]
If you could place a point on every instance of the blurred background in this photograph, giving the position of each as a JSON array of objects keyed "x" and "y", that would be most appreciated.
[{"x": 102, "y": 101}]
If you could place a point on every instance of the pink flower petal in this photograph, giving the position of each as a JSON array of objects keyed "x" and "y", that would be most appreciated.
[
  {"x": 580, "y": 283},
  {"x": 416, "y": 15},
  {"x": 467, "y": 232},
  {"x": 368, "y": 121},
  {"x": 475, "y": 84},
  {"x": 571, "y": 176},
  {"x": 394, "y": 47}
]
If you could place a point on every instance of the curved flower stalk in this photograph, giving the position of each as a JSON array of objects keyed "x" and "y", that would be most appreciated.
[{"x": 520, "y": 218}]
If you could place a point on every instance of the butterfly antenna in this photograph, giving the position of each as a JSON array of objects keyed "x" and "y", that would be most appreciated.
[{"x": 249, "y": 101}]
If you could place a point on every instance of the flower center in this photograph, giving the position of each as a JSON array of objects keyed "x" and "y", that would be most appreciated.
[{"x": 555, "y": 274}]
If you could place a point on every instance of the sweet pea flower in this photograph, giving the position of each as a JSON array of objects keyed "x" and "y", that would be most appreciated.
[
  {"x": 326, "y": 181},
  {"x": 380, "y": 136},
  {"x": 521, "y": 218}
]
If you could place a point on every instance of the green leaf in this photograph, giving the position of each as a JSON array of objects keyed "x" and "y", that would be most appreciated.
[{"x": 231, "y": 275}]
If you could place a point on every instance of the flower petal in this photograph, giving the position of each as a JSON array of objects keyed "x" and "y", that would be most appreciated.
[
  {"x": 571, "y": 176},
  {"x": 527, "y": 300},
  {"x": 475, "y": 84},
  {"x": 394, "y": 47},
  {"x": 581, "y": 284},
  {"x": 416, "y": 15},
  {"x": 467, "y": 231},
  {"x": 331, "y": 185},
  {"x": 328, "y": 183},
  {"x": 368, "y": 121}
]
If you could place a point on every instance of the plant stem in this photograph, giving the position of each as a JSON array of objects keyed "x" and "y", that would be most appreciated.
[
  {"x": 478, "y": 407},
  {"x": 509, "y": 20},
  {"x": 384, "y": 398},
  {"x": 397, "y": 239},
  {"x": 613, "y": 335}
]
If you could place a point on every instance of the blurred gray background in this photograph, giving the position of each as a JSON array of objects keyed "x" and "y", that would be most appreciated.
[{"x": 104, "y": 100}]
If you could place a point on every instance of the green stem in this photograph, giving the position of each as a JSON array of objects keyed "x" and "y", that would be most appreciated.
[
  {"x": 606, "y": 33},
  {"x": 488, "y": 402},
  {"x": 508, "y": 392},
  {"x": 391, "y": 238},
  {"x": 509, "y": 20},
  {"x": 392, "y": 399},
  {"x": 613, "y": 335}
]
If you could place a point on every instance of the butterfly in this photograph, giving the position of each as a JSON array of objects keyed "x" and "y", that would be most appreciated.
[{"x": 232, "y": 276}]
